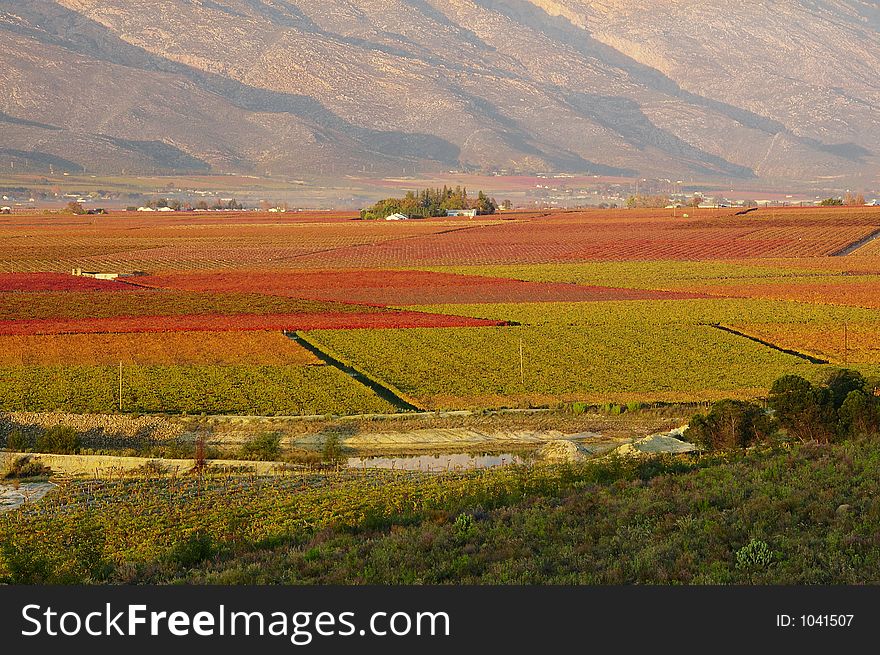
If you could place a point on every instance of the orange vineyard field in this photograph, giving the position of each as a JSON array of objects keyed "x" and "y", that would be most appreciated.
[
  {"x": 175, "y": 348},
  {"x": 600, "y": 305}
]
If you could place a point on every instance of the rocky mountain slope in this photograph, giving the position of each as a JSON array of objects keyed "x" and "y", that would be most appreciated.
[{"x": 779, "y": 90}]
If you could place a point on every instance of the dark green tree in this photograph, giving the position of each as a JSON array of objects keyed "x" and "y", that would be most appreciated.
[
  {"x": 806, "y": 412},
  {"x": 730, "y": 424},
  {"x": 859, "y": 415}
]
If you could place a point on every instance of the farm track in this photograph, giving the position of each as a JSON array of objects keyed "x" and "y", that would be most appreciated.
[
  {"x": 384, "y": 392},
  {"x": 793, "y": 353},
  {"x": 853, "y": 247}
]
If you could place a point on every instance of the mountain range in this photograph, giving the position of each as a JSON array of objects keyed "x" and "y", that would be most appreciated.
[{"x": 774, "y": 91}]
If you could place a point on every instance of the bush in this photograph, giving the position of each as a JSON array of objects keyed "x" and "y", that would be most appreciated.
[
  {"x": 75, "y": 556},
  {"x": 754, "y": 556},
  {"x": 264, "y": 447},
  {"x": 332, "y": 451},
  {"x": 806, "y": 412},
  {"x": 843, "y": 405},
  {"x": 61, "y": 440},
  {"x": 730, "y": 424},
  {"x": 840, "y": 383},
  {"x": 578, "y": 408},
  {"x": 192, "y": 550},
  {"x": 26, "y": 467},
  {"x": 464, "y": 525},
  {"x": 859, "y": 415},
  {"x": 19, "y": 442}
]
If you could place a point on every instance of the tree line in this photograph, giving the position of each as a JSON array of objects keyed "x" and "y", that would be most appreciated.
[
  {"x": 844, "y": 405},
  {"x": 431, "y": 202}
]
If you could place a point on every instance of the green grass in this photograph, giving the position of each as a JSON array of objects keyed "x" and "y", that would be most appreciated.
[
  {"x": 261, "y": 390},
  {"x": 770, "y": 517}
]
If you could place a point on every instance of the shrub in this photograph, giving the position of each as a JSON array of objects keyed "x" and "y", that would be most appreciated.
[
  {"x": 578, "y": 408},
  {"x": 841, "y": 382},
  {"x": 859, "y": 415},
  {"x": 26, "y": 467},
  {"x": 730, "y": 424},
  {"x": 61, "y": 440},
  {"x": 612, "y": 408},
  {"x": 264, "y": 447},
  {"x": 464, "y": 525},
  {"x": 332, "y": 451},
  {"x": 805, "y": 411},
  {"x": 195, "y": 548},
  {"x": 754, "y": 556},
  {"x": 153, "y": 468},
  {"x": 19, "y": 442}
]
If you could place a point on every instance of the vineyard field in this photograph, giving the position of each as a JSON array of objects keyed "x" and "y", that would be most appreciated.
[
  {"x": 616, "y": 304},
  {"x": 477, "y": 367},
  {"x": 861, "y": 292},
  {"x": 663, "y": 312},
  {"x": 239, "y": 323},
  {"x": 856, "y": 343},
  {"x": 37, "y": 282},
  {"x": 397, "y": 287},
  {"x": 142, "y": 349},
  {"x": 248, "y": 390},
  {"x": 77, "y": 305},
  {"x": 696, "y": 276}
]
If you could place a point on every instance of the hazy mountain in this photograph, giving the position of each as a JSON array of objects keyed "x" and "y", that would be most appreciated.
[{"x": 777, "y": 89}]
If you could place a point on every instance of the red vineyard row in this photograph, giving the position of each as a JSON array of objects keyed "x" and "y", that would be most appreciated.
[{"x": 31, "y": 282}]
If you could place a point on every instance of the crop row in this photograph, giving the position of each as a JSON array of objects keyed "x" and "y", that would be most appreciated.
[
  {"x": 193, "y": 243},
  {"x": 646, "y": 313},
  {"x": 112, "y": 245},
  {"x": 850, "y": 343},
  {"x": 171, "y": 348},
  {"x": 397, "y": 287},
  {"x": 647, "y": 274},
  {"x": 74, "y": 305},
  {"x": 239, "y": 323},
  {"x": 520, "y": 365},
  {"x": 249, "y": 390},
  {"x": 862, "y": 292},
  {"x": 566, "y": 241},
  {"x": 29, "y": 282}
]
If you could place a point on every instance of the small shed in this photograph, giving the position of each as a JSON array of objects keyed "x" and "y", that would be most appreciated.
[
  {"x": 397, "y": 217},
  {"x": 470, "y": 213}
]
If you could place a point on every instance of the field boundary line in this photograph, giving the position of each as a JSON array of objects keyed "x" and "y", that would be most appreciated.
[
  {"x": 768, "y": 344},
  {"x": 857, "y": 245},
  {"x": 382, "y": 389}
]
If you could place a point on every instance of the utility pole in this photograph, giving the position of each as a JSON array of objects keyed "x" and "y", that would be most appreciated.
[
  {"x": 120, "y": 386},
  {"x": 845, "y": 344}
]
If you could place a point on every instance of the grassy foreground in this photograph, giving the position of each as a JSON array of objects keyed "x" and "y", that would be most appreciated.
[{"x": 806, "y": 515}]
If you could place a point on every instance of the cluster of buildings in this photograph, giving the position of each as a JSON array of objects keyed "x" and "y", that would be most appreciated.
[{"x": 467, "y": 213}]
